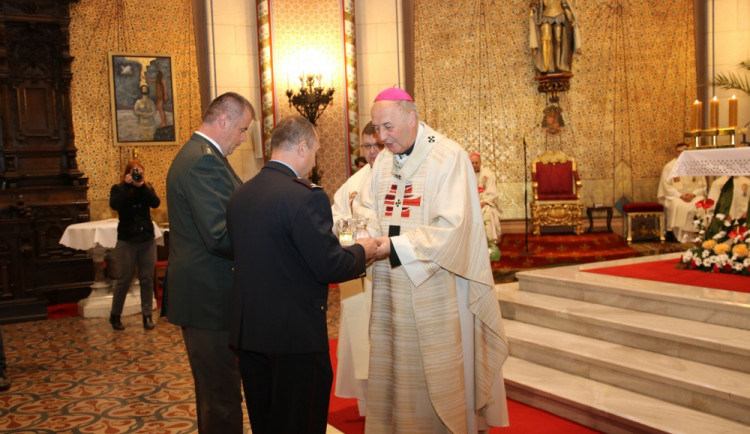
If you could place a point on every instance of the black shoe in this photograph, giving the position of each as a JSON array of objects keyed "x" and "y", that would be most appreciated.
[
  {"x": 670, "y": 238},
  {"x": 115, "y": 321},
  {"x": 4, "y": 381},
  {"x": 148, "y": 323}
]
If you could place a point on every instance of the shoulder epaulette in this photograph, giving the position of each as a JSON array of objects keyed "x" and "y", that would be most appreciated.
[
  {"x": 208, "y": 149},
  {"x": 308, "y": 184}
]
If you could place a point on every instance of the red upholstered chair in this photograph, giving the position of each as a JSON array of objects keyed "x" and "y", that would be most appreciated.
[
  {"x": 557, "y": 192},
  {"x": 651, "y": 218}
]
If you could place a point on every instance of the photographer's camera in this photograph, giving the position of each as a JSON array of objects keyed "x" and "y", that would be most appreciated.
[{"x": 136, "y": 175}]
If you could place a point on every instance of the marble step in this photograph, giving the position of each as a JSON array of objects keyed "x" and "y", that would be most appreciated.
[
  {"x": 722, "y": 392},
  {"x": 605, "y": 407},
  {"x": 716, "y": 345},
  {"x": 712, "y": 306}
]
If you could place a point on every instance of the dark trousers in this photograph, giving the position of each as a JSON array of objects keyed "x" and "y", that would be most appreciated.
[
  {"x": 129, "y": 256},
  {"x": 286, "y": 393},
  {"x": 218, "y": 389}
]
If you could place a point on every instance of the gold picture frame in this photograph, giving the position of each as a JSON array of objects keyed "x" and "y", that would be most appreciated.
[{"x": 142, "y": 99}]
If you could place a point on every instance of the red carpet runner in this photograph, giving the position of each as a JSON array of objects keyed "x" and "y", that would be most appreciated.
[
  {"x": 665, "y": 271},
  {"x": 343, "y": 415},
  {"x": 560, "y": 249}
]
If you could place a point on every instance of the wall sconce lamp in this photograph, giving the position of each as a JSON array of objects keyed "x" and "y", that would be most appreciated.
[{"x": 312, "y": 99}]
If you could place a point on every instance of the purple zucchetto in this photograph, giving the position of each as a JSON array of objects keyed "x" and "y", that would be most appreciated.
[{"x": 394, "y": 94}]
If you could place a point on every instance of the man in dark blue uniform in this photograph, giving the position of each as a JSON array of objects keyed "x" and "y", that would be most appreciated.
[{"x": 285, "y": 256}]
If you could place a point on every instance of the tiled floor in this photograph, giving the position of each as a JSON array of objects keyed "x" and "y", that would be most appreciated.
[{"x": 76, "y": 375}]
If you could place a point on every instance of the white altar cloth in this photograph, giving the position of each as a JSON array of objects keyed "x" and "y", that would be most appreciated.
[
  {"x": 97, "y": 237},
  {"x": 86, "y": 235},
  {"x": 713, "y": 161}
]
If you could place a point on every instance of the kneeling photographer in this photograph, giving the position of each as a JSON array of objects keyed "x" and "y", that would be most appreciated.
[{"x": 133, "y": 199}]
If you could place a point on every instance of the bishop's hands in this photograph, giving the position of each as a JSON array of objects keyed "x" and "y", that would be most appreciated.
[{"x": 375, "y": 248}]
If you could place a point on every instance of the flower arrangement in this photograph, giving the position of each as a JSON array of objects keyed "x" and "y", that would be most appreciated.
[{"x": 722, "y": 244}]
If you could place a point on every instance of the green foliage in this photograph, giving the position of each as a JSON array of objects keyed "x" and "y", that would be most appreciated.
[
  {"x": 722, "y": 207},
  {"x": 733, "y": 80}
]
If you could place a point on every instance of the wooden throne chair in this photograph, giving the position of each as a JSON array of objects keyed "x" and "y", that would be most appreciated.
[{"x": 557, "y": 192}]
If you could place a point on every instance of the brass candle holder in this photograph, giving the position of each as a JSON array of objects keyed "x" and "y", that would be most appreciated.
[{"x": 713, "y": 133}]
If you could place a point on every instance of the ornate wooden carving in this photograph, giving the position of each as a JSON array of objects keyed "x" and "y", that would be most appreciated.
[{"x": 42, "y": 191}]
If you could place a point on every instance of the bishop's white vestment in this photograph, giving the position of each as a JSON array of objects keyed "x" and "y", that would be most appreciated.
[
  {"x": 678, "y": 213},
  {"x": 491, "y": 211},
  {"x": 436, "y": 334}
]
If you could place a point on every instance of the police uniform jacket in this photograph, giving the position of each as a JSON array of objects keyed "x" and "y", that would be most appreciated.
[{"x": 285, "y": 257}]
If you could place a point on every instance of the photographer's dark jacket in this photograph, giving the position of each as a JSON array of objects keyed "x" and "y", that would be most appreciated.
[{"x": 133, "y": 205}]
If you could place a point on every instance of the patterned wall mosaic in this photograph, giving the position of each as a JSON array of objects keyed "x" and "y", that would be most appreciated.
[
  {"x": 98, "y": 27},
  {"x": 627, "y": 105},
  {"x": 308, "y": 36}
]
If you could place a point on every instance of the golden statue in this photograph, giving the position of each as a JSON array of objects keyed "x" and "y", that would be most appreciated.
[{"x": 552, "y": 24}]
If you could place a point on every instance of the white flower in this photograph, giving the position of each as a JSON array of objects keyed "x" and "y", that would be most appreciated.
[
  {"x": 720, "y": 235},
  {"x": 705, "y": 254},
  {"x": 698, "y": 261},
  {"x": 720, "y": 216},
  {"x": 687, "y": 256}
]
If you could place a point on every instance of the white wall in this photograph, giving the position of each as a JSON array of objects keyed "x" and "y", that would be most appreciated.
[
  {"x": 732, "y": 43},
  {"x": 380, "y": 52},
  {"x": 233, "y": 66}
]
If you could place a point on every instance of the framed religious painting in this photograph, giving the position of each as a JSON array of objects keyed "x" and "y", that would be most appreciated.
[{"x": 142, "y": 99}]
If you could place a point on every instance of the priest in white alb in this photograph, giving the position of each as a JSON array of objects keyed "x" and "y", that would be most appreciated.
[
  {"x": 437, "y": 345},
  {"x": 488, "y": 199},
  {"x": 678, "y": 195},
  {"x": 354, "y": 343}
]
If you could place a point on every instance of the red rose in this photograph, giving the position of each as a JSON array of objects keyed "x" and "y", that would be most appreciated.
[
  {"x": 715, "y": 269},
  {"x": 727, "y": 267}
]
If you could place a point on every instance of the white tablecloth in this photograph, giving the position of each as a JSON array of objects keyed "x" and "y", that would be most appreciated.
[
  {"x": 87, "y": 235},
  {"x": 715, "y": 162}
]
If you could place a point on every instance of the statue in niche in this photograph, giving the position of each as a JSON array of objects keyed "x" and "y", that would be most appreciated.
[
  {"x": 554, "y": 35},
  {"x": 553, "y": 120}
]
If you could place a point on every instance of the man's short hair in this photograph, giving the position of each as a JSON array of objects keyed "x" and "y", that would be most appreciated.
[
  {"x": 680, "y": 144},
  {"x": 358, "y": 160},
  {"x": 290, "y": 131},
  {"x": 369, "y": 130},
  {"x": 231, "y": 104}
]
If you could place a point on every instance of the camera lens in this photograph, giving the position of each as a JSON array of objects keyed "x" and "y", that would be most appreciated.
[{"x": 137, "y": 177}]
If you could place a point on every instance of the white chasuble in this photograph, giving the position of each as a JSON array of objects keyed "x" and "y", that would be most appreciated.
[{"x": 435, "y": 319}]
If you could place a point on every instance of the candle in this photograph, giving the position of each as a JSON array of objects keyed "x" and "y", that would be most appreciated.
[
  {"x": 713, "y": 114},
  {"x": 697, "y": 115},
  {"x": 733, "y": 112}
]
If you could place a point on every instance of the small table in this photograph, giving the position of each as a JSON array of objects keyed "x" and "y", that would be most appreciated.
[
  {"x": 590, "y": 213},
  {"x": 98, "y": 237}
]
